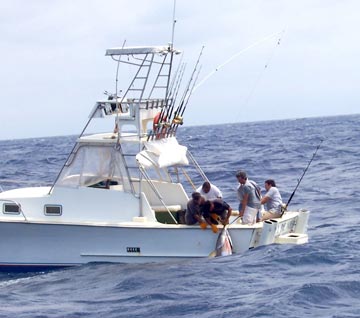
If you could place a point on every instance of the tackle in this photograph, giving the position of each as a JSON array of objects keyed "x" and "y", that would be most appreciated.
[{"x": 302, "y": 176}]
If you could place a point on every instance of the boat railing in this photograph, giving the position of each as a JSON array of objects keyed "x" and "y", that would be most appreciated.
[
  {"x": 197, "y": 166},
  {"x": 134, "y": 112},
  {"x": 126, "y": 108},
  {"x": 156, "y": 192}
]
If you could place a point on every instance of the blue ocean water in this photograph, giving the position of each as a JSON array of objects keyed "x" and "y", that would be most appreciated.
[{"x": 318, "y": 279}]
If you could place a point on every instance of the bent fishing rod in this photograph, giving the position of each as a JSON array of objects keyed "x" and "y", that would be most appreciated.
[{"x": 302, "y": 176}]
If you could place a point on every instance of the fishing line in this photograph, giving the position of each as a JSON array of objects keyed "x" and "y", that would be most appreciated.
[
  {"x": 259, "y": 77},
  {"x": 234, "y": 57}
]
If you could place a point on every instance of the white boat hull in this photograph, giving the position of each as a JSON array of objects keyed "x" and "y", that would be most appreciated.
[{"x": 27, "y": 244}]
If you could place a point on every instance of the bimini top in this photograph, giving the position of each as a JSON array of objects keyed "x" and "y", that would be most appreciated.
[{"x": 140, "y": 50}]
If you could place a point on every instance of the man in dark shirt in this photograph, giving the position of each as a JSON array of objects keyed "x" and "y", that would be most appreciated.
[
  {"x": 216, "y": 211},
  {"x": 193, "y": 213}
]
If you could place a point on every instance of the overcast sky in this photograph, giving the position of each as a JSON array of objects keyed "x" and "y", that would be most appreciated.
[{"x": 53, "y": 67}]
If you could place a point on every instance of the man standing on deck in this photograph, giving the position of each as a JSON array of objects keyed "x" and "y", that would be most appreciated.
[{"x": 248, "y": 197}]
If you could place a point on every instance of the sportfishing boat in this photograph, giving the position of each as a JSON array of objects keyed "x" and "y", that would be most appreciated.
[{"x": 121, "y": 194}]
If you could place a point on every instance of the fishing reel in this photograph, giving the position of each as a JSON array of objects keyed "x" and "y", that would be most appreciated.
[{"x": 178, "y": 120}]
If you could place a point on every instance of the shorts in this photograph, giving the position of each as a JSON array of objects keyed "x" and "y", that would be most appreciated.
[{"x": 249, "y": 216}]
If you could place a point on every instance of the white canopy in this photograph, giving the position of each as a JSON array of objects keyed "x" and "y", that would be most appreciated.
[{"x": 92, "y": 164}]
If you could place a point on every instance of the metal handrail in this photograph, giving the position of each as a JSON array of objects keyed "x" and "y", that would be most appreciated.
[
  {"x": 157, "y": 193},
  {"x": 197, "y": 166}
]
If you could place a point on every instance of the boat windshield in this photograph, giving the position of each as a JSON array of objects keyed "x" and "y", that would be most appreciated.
[{"x": 91, "y": 165}]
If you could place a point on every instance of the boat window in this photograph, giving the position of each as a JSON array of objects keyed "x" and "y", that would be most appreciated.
[
  {"x": 92, "y": 164},
  {"x": 53, "y": 209},
  {"x": 11, "y": 208},
  {"x": 105, "y": 184}
]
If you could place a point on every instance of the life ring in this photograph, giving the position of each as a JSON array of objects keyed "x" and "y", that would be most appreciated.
[
  {"x": 160, "y": 133},
  {"x": 156, "y": 121}
]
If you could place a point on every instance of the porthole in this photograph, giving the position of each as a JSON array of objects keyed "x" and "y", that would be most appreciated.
[
  {"x": 11, "y": 208},
  {"x": 52, "y": 210}
]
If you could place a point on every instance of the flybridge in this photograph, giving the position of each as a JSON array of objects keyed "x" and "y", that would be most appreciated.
[
  {"x": 142, "y": 142},
  {"x": 151, "y": 94},
  {"x": 129, "y": 111}
]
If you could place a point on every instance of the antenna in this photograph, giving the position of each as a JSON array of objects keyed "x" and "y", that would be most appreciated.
[{"x": 173, "y": 25}]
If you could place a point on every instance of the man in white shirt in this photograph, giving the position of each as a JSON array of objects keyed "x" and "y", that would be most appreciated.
[
  {"x": 209, "y": 191},
  {"x": 272, "y": 201}
]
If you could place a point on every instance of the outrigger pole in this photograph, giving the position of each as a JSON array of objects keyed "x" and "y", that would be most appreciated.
[{"x": 302, "y": 176}]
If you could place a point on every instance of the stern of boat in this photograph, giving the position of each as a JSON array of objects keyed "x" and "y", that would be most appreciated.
[{"x": 291, "y": 228}]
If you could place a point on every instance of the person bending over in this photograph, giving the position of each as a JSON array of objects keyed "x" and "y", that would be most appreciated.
[
  {"x": 216, "y": 211},
  {"x": 193, "y": 213}
]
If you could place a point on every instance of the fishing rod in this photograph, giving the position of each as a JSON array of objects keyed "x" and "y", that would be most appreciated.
[
  {"x": 191, "y": 91},
  {"x": 192, "y": 75},
  {"x": 302, "y": 176},
  {"x": 174, "y": 93},
  {"x": 180, "y": 109},
  {"x": 175, "y": 78},
  {"x": 170, "y": 100},
  {"x": 186, "y": 101}
]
